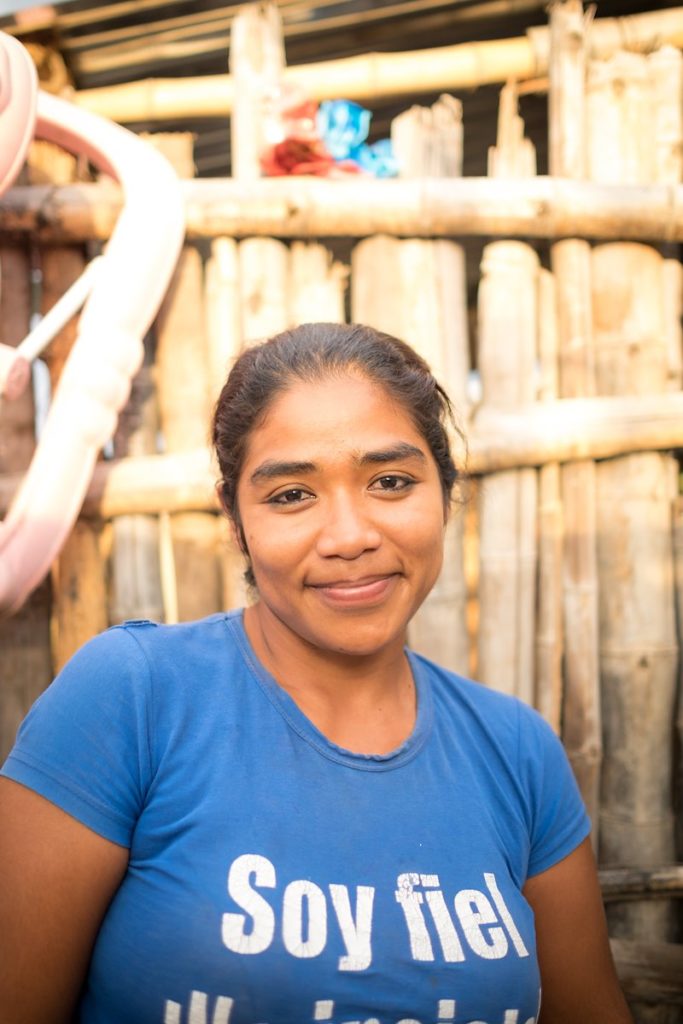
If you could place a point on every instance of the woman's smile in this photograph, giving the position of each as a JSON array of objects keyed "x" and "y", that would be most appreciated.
[{"x": 356, "y": 593}]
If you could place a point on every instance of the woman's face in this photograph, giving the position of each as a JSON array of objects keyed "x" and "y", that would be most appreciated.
[{"x": 343, "y": 515}]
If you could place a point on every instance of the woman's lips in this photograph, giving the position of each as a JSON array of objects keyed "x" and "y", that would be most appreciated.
[{"x": 367, "y": 590}]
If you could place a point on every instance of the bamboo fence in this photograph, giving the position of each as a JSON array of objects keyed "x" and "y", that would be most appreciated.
[
  {"x": 577, "y": 531},
  {"x": 638, "y": 643}
]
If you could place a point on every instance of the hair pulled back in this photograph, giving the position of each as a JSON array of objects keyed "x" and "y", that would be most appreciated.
[{"x": 312, "y": 352}]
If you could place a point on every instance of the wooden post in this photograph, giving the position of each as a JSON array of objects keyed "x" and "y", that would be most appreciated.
[
  {"x": 570, "y": 261},
  {"x": 317, "y": 285},
  {"x": 224, "y": 340},
  {"x": 264, "y": 288},
  {"x": 135, "y": 588},
  {"x": 508, "y": 328},
  {"x": 549, "y": 633},
  {"x": 638, "y": 649},
  {"x": 25, "y": 657},
  {"x": 183, "y": 384},
  {"x": 678, "y": 576},
  {"x": 189, "y": 569},
  {"x": 416, "y": 290},
  {"x": 257, "y": 63}
]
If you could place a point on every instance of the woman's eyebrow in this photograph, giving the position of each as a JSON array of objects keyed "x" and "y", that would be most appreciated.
[
  {"x": 395, "y": 453},
  {"x": 272, "y": 468}
]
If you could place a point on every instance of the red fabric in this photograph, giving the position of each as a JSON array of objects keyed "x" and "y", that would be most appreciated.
[{"x": 303, "y": 156}]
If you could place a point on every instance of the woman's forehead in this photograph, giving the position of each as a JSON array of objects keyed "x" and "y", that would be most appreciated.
[{"x": 342, "y": 404}]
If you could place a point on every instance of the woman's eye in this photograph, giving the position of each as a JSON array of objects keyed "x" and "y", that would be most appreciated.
[
  {"x": 392, "y": 483},
  {"x": 294, "y": 496}
]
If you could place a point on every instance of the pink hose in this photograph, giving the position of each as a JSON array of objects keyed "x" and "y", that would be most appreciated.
[{"x": 95, "y": 383}]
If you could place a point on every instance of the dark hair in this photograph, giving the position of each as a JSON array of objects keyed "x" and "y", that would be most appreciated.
[{"x": 312, "y": 352}]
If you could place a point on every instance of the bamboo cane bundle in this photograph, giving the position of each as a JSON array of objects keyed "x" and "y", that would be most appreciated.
[
  {"x": 183, "y": 387},
  {"x": 638, "y": 650},
  {"x": 570, "y": 261},
  {"x": 25, "y": 658},
  {"x": 549, "y": 631},
  {"x": 416, "y": 290},
  {"x": 508, "y": 299}
]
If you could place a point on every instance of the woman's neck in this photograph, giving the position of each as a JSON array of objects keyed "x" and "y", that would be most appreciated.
[{"x": 366, "y": 704}]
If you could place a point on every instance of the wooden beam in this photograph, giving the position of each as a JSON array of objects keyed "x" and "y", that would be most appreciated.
[
  {"x": 526, "y": 436},
  {"x": 651, "y": 972},
  {"x": 539, "y": 207},
  {"x": 641, "y": 883}
]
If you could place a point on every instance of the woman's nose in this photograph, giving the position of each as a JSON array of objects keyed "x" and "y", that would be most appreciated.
[{"x": 347, "y": 531}]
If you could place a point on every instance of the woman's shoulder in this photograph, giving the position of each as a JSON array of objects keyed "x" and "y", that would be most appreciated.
[
  {"x": 179, "y": 645},
  {"x": 480, "y": 707},
  {"x": 479, "y": 696}
]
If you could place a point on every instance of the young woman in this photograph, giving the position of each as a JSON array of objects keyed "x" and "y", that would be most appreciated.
[{"x": 281, "y": 815}]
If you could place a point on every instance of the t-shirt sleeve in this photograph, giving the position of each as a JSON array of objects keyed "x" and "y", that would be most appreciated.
[
  {"x": 84, "y": 744},
  {"x": 557, "y": 815}
]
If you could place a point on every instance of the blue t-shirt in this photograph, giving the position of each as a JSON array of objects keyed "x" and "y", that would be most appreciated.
[{"x": 275, "y": 878}]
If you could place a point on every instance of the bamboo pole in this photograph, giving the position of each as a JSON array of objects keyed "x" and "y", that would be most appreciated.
[
  {"x": 135, "y": 584},
  {"x": 549, "y": 631},
  {"x": 381, "y": 75},
  {"x": 427, "y": 141},
  {"x": 293, "y": 207},
  {"x": 507, "y": 306},
  {"x": 224, "y": 339},
  {"x": 317, "y": 284},
  {"x": 416, "y": 290},
  {"x": 257, "y": 63},
  {"x": 25, "y": 658},
  {"x": 184, "y": 409},
  {"x": 570, "y": 261},
  {"x": 678, "y": 578},
  {"x": 666, "y": 77},
  {"x": 264, "y": 283},
  {"x": 638, "y": 649}
]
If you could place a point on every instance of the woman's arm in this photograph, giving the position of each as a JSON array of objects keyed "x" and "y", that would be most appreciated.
[
  {"x": 57, "y": 878},
  {"x": 578, "y": 979}
]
